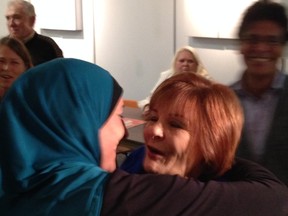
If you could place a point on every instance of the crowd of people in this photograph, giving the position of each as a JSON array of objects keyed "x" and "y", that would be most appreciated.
[
  {"x": 209, "y": 149},
  {"x": 58, "y": 150},
  {"x": 262, "y": 90},
  {"x": 23, "y": 47}
]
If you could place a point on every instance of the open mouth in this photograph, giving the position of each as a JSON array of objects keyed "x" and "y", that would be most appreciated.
[
  {"x": 155, "y": 151},
  {"x": 260, "y": 59},
  {"x": 6, "y": 76}
]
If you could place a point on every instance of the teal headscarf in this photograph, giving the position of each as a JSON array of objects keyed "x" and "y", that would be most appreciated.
[{"x": 50, "y": 154}]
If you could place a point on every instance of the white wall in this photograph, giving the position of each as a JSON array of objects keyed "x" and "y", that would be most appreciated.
[
  {"x": 75, "y": 44},
  {"x": 131, "y": 39},
  {"x": 220, "y": 56},
  {"x": 3, "y": 29},
  {"x": 134, "y": 41}
]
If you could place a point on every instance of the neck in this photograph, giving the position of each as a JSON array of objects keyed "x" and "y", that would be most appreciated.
[
  {"x": 28, "y": 37},
  {"x": 257, "y": 84}
]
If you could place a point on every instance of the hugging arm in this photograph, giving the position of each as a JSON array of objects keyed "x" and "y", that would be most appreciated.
[{"x": 249, "y": 189}]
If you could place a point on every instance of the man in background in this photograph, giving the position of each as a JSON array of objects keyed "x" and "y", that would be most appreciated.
[
  {"x": 263, "y": 88},
  {"x": 20, "y": 16}
]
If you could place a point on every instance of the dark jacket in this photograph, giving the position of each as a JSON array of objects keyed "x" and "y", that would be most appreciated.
[{"x": 247, "y": 189}]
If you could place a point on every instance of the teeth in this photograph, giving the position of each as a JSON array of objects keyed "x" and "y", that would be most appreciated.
[{"x": 260, "y": 59}]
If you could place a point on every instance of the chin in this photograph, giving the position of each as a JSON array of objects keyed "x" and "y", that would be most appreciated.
[
  {"x": 109, "y": 167},
  {"x": 152, "y": 167}
]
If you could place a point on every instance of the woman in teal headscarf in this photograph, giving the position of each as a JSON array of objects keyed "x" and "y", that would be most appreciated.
[
  {"x": 54, "y": 156},
  {"x": 49, "y": 162}
]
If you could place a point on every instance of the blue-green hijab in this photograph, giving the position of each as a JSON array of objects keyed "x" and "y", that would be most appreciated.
[{"x": 50, "y": 154}]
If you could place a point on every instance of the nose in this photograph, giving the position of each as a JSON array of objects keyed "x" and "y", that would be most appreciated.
[
  {"x": 157, "y": 132},
  {"x": 4, "y": 67},
  {"x": 262, "y": 46},
  {"x": 185, "y": 63}
]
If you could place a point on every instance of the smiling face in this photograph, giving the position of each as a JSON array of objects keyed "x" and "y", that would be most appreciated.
[
  {"x": 185, "y": 62},
  {"x": 110, "y": 135},
  {"x": 193, "y": 127},
  {"x": 168, "y": 144},
  {"x": 19, "y": 24},
  {"x": 262, "y": 45},
  {"x": 11, "y": 67}
]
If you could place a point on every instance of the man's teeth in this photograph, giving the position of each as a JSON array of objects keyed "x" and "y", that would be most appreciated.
[{"x": 260, "y": 59}]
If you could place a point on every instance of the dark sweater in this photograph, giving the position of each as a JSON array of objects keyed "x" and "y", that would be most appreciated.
[
  {"x": 42, "y": 49},
  {"x": 246, "y": 190}
]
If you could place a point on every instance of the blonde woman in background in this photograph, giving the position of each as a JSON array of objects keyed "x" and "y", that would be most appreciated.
[{"x": 186, "y": 60}]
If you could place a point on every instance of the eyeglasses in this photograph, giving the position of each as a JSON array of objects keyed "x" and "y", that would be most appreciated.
[{"x": 268, "y": 40}]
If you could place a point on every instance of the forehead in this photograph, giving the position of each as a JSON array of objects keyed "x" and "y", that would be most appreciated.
[
  {"x": 6, "y": 51},
  {"x": 172, "y": 107},
  {"x": 15, "y": 9},
  {"x": 264, "y": 27},
  {"x": 185, "y": 54},
  {"x": 168, "y": 113}
]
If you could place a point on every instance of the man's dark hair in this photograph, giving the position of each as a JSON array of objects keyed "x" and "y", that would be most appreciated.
[{"x": 264, "y": 10}]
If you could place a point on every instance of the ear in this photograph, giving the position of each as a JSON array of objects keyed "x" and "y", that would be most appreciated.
[
  {"x": 240, "y": 45},
  {"x": 32, "y": 20}
]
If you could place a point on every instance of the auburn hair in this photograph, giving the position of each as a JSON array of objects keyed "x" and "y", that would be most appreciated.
[{"x": 214, "y": 116}]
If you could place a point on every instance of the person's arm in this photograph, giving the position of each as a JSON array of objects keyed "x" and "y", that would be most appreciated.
[{"x": 253, "y": 190}]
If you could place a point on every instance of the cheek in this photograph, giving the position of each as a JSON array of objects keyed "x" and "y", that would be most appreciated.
[
  {"x": 181, "y": 144},
  {"x": 119, "y": 130},
  {"x": 18, "y": 22},
  {"x": 17, "y": 71},
  {"x": 20, "y": 69},
  {"x": 177, "y": 65},
  {"x": 279, "y": 51},
  {"x": 243, "y": 48},
  {"x": 148, "y": 132},
  {"x": 193, "y": 66}
]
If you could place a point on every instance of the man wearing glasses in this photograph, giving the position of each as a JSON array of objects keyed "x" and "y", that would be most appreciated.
[{"x": 263, "y": 88}]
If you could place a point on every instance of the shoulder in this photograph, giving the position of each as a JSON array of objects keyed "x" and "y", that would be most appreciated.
[
  {"x": 235, "y": 85},
  {"x": 166, "y": 73},
  {"x": 286, "y": 80},
  {"x": 44, "y": 38}
]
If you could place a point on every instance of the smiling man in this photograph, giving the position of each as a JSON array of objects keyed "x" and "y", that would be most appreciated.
[
  {"x": 263, "y": 88},
  {"x": 21, "y": 17}
]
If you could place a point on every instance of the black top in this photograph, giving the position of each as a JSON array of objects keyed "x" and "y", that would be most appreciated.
[
  {"x": 42, "y": 49},
  {"x": 247, "y": 189}
]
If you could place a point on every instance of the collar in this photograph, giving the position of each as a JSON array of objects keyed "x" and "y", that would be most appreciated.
[
  {"x": 29, "y": 37},
  {"x": 277, "y": 83}
]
